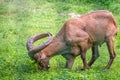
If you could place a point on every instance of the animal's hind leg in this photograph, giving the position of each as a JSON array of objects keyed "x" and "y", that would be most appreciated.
[
  {"x": 95, "y": 55},
  {"x": 110, "y": 45}
]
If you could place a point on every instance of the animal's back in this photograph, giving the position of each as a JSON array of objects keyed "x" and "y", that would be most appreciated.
[
  {"x": 96, "y": 25},
  {"x": 100, "y": 25}
]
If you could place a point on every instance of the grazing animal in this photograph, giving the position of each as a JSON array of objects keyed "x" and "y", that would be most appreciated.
[{"x": 75, "y": 37}]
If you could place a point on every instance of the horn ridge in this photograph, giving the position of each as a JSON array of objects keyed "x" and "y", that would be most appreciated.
[{"x": 34, "y": 49}]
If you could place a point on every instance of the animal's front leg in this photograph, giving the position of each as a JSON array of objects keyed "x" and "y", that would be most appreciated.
[
  {"x": 69, "y": 63},
  {"x": 83, "y": 56},
  {"x": 69, "y": 60}
]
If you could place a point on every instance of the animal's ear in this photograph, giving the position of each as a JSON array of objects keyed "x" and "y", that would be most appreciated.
[
  {"x": 36, "y": 56},
  {"x": 39, "y": 56},
  {"x": 42, "y": 56}
]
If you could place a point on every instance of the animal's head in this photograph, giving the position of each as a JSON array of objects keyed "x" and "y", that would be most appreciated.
[
  {"x": 42, "y": 61},
  {"x": 35, "y": 52}
]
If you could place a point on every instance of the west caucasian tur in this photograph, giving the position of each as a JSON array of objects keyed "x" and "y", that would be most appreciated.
[{"x": 77, "y": 35}]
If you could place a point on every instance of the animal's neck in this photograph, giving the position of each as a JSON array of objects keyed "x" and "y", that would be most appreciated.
[
  {"x": 57, "y": 44},
  {"x": 54, "y": 48}
]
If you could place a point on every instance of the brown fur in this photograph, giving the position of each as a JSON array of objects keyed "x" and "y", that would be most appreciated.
[{"x": 78, "y": 35}]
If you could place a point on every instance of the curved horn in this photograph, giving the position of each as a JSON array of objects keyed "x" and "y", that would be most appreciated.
[{"x": 32, "y": 49}]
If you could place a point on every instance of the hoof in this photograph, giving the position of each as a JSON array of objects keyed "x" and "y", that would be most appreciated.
[{"x": 85, "y": 68}]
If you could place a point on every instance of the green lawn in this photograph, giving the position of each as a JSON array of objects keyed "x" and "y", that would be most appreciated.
[{"x": 20, "y": 19}]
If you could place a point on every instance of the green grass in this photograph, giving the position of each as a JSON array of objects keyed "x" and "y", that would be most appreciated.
[{"x": 20, "y": 19}]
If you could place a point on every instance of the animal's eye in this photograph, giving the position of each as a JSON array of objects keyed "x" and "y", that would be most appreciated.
[
  {"x": 41, "y": 62},
  {"x": 48, "y": 66}
]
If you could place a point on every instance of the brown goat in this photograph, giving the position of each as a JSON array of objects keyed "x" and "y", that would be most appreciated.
[{"x": 75, "y": 38}]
